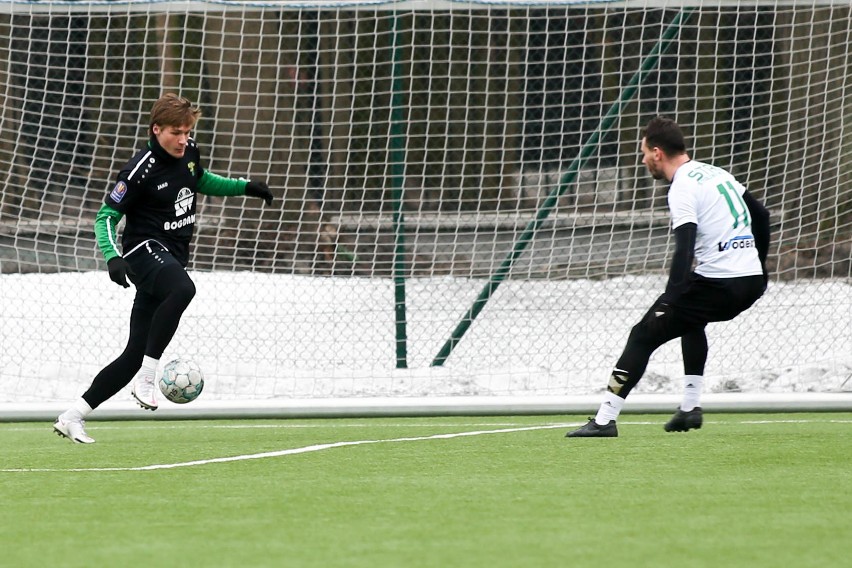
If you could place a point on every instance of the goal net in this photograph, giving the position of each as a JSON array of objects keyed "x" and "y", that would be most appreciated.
[{"x": 460, "y": 204}]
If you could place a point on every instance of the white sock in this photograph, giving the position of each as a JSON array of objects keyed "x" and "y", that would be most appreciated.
[
  {"x": 149, "y": 366},
  {"x": 78, "y": 411},
  {"x": 692, "y": 387},
  {"x": 610, "y": 409}
]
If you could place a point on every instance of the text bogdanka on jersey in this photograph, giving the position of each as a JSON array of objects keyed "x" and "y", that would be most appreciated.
[
  {"x": 181, "y": 223},
  {"x": 183, "y": 204}
]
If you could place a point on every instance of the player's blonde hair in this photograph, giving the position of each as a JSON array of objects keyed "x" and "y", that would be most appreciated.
[{"x": 173, "y": 110}]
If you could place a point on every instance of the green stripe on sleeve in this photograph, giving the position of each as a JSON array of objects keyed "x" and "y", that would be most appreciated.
[
  {"x": 214, "y": 184},
  {"x": 106, "y": 235}
]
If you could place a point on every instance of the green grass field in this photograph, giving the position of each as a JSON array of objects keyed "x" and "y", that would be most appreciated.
[{"x": 746, "y": 490}]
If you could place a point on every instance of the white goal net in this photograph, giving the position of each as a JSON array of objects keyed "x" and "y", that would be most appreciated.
[{"x": 460, "y": 204}]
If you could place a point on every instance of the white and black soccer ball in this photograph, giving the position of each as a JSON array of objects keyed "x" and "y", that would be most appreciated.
[{"x": 181, "y": 381}]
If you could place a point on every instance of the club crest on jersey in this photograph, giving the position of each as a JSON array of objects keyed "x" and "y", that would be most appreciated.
[
  {"x": 183, "y": 203},
  {"x": 118, "y": 192},
  {"x": 191, "y": 166}
]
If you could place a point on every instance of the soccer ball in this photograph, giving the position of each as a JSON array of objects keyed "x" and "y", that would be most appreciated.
[{"x": 181, "y": 381}]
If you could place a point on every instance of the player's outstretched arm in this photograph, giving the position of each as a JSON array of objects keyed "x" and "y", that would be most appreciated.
[{"x": 214, "y": 184}]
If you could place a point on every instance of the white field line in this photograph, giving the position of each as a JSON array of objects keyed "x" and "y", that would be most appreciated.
[
  {"x": 321, "y": 447},
  {"x": 183, "y": 425},
  {"x": 294, "y": 451},
  {"x": 99, "y": 426}
]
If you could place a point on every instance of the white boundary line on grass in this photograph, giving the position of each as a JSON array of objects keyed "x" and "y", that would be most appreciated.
[
  {"x": 284, "y": 424},
  {"x": 293, "y": 451},
  {"x": 181, "y": 425},
  {"x": 321, "y": 447}
]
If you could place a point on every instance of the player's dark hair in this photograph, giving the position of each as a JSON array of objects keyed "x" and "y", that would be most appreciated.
[
  {"x": 665, "y": 134},
  {"x": 173, "y": 110}
]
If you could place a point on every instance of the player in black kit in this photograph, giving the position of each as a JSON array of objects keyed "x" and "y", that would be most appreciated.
[{"x": 156, "y": 192}]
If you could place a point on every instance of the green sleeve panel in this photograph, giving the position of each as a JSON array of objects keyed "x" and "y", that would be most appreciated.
[
  {"x": 106, "y": 222},
  {"x": 214, "y": 184}
]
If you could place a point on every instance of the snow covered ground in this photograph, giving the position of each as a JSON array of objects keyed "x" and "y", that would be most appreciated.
[{"x": 262, "y": 336}]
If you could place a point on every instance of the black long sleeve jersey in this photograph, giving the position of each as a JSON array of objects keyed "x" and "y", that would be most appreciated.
[{"x": 156, "y": 192}]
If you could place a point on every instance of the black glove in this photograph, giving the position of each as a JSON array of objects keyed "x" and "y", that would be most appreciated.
[
  {"x": 259, "y": 189},
  {"x": 118, "y": 271}
]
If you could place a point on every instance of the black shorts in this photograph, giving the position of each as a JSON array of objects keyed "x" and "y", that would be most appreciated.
[
  {"x": 717, "y": 299},
  {"x": 147, "y": 261},
  {"x": 706, "y": 300}
]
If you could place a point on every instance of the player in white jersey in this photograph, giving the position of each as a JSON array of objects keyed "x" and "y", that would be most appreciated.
[{"x": 721, "y": 228}]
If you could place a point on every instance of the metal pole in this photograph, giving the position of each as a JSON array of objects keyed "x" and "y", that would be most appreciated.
[
  {"x": 398, "y": 181},
  {"x": 549, "y": 204}
]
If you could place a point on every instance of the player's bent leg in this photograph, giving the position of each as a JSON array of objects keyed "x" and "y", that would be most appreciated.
[
  {"x": 120, "y": 372},
  {"x": 693, "y": 345},
  {"x": 174, "y": 291}
]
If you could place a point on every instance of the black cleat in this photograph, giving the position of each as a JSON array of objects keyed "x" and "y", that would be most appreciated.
[
  {"x": 593, "y": 430},
  {"x": 685, "y": 420}
]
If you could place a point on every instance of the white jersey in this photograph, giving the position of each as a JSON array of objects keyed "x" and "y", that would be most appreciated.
[{"x": 711, "y": 198}]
